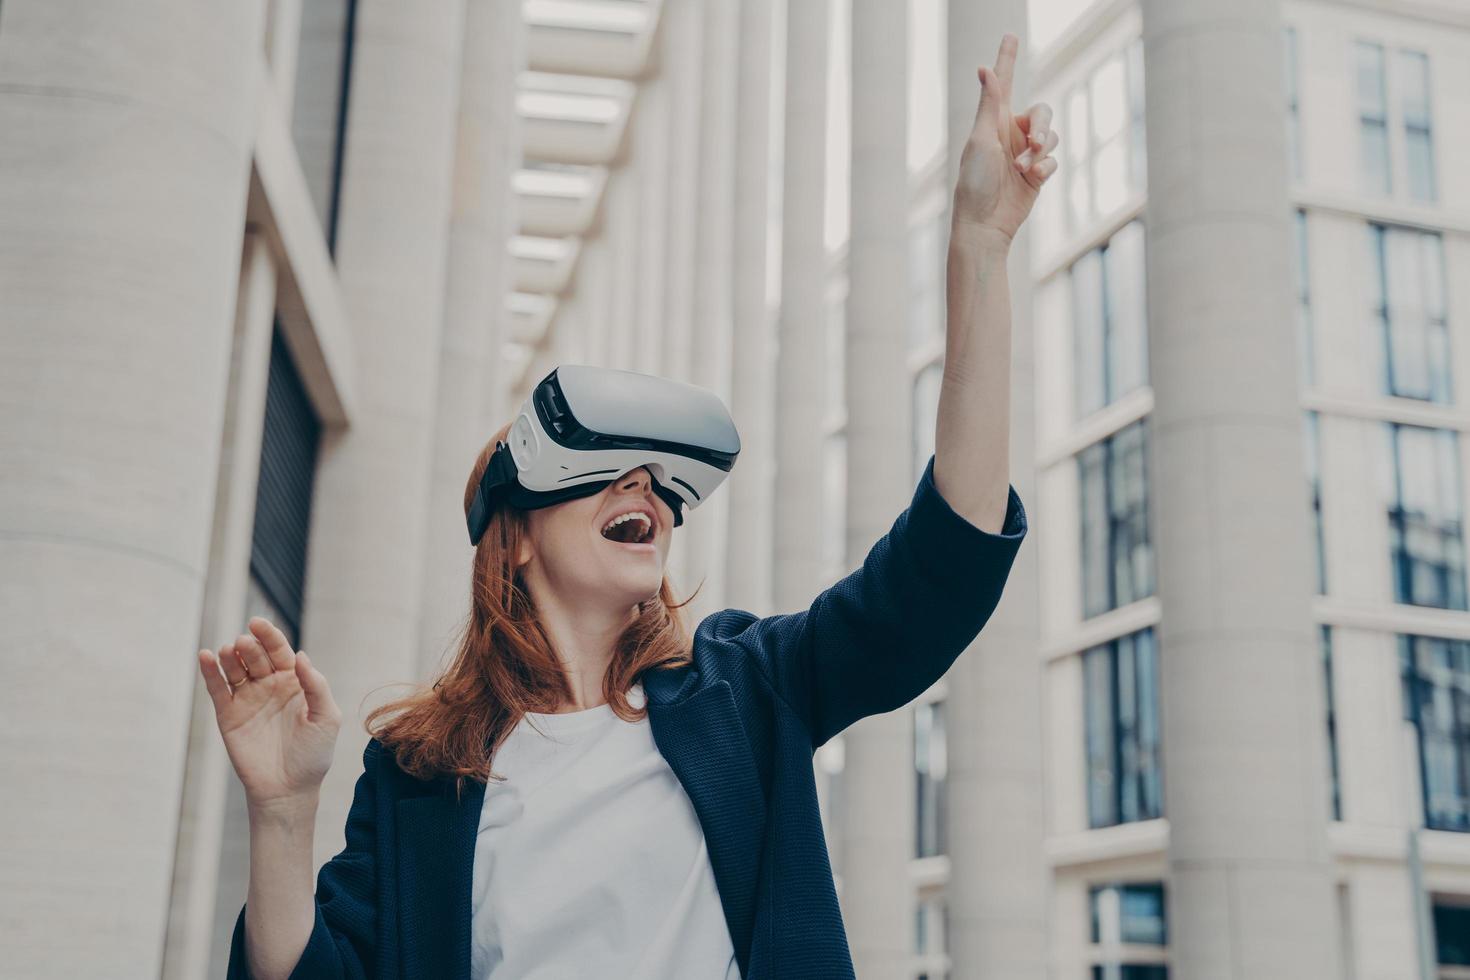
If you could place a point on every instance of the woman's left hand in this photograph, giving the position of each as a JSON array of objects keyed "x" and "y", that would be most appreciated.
[{"x": 1007, "y": 157}]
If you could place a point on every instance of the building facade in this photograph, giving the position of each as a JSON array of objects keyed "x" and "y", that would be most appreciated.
[{"x": 270, "y": 279}]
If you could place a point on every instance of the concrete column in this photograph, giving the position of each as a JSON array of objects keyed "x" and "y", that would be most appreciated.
[
  {"x": 753, "y": 351},
  {"x": 800, "y": 398},
  {"x": 650, "y": 238},
  {"x": 795, "y": 540},
  {"x": 707, "y": 528},
  {"x": 123, "y": 184},
  {"x": 364, "y": 580},
  {"x": 487, "y": 151},
  {"x": 682, "y": 59},
  {"x": 196, "y": 869},
  {"x": 1250, "y": 883},
  {"x": 879, "y": 833},
  {"x": 998, "y": 881}
]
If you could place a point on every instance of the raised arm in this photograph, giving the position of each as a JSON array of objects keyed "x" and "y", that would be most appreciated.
[
  {"x": 1005, "y": 161},
  {"x": 876, "y": 639}
]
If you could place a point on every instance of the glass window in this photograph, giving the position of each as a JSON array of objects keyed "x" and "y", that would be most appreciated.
[
  {"x": 1293, "y": 104},
  {"x": 1413, "y": 81},
  {"x": 925, "y": 415},
  {"x": 1103, "y": 146},
  {"x": 1125, "y": 782},
  {"x": 1452, "y": 933},
  {"x": 1117, "y": 558},
  {"x": 1324, "y": 638},
  {"x": 1110, "y": 320},
  {"x": 1437, "y": 682},
  {"x": 930, "y": 766},
  {"x": 1311, "y": 428},
  {"x": 1425, "y": 535},
  {"x": 1132, "y": 914},
  {"x": 1373, "y": 118},
  {"x": 1408, "y": 296},
  {"x": 1306, "y": 346},
  {"x": 1130, "y": 971},
  {"x": 1129, "y": 915}
]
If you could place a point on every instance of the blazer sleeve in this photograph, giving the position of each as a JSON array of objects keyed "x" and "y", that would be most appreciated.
[
  {"x": 878, "y": 638},
  {"x": 342, "y": 941}
]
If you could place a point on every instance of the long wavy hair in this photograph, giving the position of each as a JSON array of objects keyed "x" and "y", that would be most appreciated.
[{"x": 505, "y": 664}]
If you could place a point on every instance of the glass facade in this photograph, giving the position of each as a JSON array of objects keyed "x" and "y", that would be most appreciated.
[
  {"x": 1125, "y": 915},
  {"x": 1373, "y": 119},
  {"x": 1408, "y": 302},
  {"x": 930, "y": 831},
  {"x": 1102, "y": 138},
  {"x": 1311, "y": 429},
  {"x": 1121, "y": 708},
  {"x": 1426, "y": 538},
  {"x": 1452, "y": 934},
  {"x": 1110, "y": 320},
  {"x": 1334, "y": 801},
  {"x": 1293, "y": 104},
  {"x": 1306, "y": 341},
  {"x": 1117, "y": 557},
  {"x": 1436, "y": 675},
  {"x": 1413, "y": 80}
]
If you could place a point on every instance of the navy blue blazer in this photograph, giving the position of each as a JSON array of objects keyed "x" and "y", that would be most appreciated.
[{"x": 738, "y": 727}]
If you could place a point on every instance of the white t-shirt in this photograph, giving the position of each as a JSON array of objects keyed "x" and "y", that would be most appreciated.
[{"x": 590, "y": 861}]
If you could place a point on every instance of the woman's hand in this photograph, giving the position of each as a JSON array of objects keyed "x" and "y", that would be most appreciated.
[
  {"x": 1006, "y": 159},
  {"x": 276, "y": 714}
]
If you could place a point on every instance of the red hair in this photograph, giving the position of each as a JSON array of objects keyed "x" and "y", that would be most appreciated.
[{"x": 506, "y": 666}]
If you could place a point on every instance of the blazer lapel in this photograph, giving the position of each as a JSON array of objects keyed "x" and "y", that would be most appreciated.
[
  {"x": 436, "y": 853},
  {"x": 699, "y": 732}
]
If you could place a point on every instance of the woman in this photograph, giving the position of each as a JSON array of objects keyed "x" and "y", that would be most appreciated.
[{"x": 657, "y": 815}]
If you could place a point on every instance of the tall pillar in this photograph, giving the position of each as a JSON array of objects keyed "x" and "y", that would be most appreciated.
[
  {"x": 123, "y": 183},
  {"x": 1250, "y": 883},
  {"x": 369, "y": 521},
  {"x": 487, "y": 151},
  {"x": 879, "y": 840},
  {"x": 682, "y": 61},
  {"x": 753, "y": 347},
  {"x": 649, "y": 239},
  {"x": 800, "y": 399},
  {"x": 998, "y": 879},
  {"x": 197, "y": 866},
  {"x": 795, "y": 540},
  {"x": 710, "y": 340}
]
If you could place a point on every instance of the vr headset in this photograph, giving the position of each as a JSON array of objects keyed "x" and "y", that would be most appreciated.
[{"x": 582, "y": 427}]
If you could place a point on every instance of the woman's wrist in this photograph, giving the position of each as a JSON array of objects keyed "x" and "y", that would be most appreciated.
[
  {"x": 979, "y": 236},
  {"x": 292, "y": 811}
]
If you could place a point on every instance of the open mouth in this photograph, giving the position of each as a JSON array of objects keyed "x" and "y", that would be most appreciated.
[{"x": 634, "y": 529}]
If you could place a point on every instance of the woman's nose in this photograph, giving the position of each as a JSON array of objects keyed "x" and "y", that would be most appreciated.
[{"x": 638, "y": 477}]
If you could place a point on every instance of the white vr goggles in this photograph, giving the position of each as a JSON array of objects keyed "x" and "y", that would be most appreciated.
[{"x": 582, "y": 427}]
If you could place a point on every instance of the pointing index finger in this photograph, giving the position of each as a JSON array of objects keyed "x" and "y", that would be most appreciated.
[{"x": 1005, "y": 61}]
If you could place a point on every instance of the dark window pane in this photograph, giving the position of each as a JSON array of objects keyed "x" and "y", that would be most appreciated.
[
  {"x": 1437, "y": 684},
  {"x": 1131, "y": 971},
  {"x": 1452, "y": 934},
  {"x": 1124, "y": 778},
  {"x": 1117, "y": 558},
  {"x": 1426, "y": 541}
]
